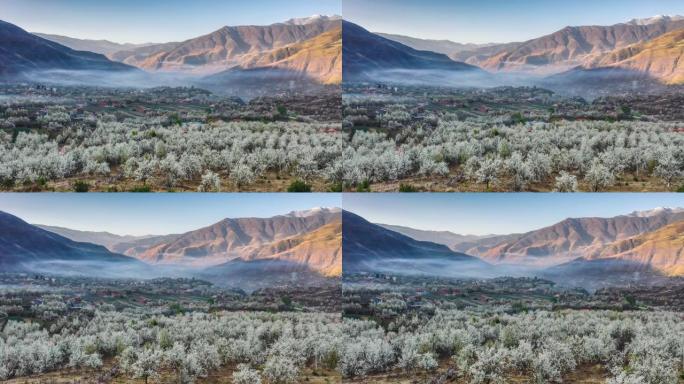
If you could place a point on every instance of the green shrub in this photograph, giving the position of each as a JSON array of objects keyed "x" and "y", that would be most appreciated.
[
  {"x": 407, "y": 188},
  {"x": 81, "y": 186},
  {"x": 336, "y": 187},
  {"x": 299, "y": 186},
  {"x": 141, "y": 188},
  {"x": 363, "y": 187}
]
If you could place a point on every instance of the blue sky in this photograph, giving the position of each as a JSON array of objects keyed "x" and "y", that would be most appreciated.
[
  {"x": 154, "y": 213},
  {"x": 498, "y": 213},
  {"x": 484, "y": 21},
  {"x": 141, "y": 21}
]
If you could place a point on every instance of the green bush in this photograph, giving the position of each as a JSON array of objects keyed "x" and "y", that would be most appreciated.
[
  {"x": 337, "y": 187},
  {"x": 141, "y": 188},
  {"x": 363, "y": 187},
  {"x": 299, "y": 186},
  {"x": 81, "y": 186},
  {"x": 407, "y": 188}
]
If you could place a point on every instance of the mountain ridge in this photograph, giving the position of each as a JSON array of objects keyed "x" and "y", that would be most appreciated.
[
  {"x": 364, "y": 53},
  {"x": 223, "y": 48},
  {"x": 368, "y": 247},
  {"x": 568, "y": 239},
  {"x": 22, "y": 52},
  {"x": 310, "y": 238},
  {"x": 22, "y": 245},
  {"x": 569, "y": 47}
]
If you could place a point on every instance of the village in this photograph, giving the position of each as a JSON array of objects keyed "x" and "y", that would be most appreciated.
[
  {"x": 384, "y": 297},
  {"x": 44, "y": 297}
]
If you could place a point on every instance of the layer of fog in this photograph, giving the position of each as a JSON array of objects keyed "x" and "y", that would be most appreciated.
[
  {"x": 109, "y": 79},
  {"x": 588, "y": 84},
  {"x": 246, "y": 84},
  {"x": 441, "y": 267},
  {"x": 237, "y": 274},
  {"x": 589, "y": 276}
]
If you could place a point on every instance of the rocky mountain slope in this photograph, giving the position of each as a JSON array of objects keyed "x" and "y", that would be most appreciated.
[
  {"x": 311, "y": 237},
  {"x": 309, "y": 240},
  {"x": 319, "y": 250},
  {"x": 661, "y": 250},
  {"x": 226, "y": 47},
  {"x": 318, "y": 59},
  {"x": 571, "y": 46},
  {"x": 569, "y": 239},
  {"x": 661, "y": 58}
]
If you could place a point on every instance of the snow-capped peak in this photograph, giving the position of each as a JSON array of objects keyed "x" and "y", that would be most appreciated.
[
  {"x": 655, "y": 19},
  {"x": 655, "y": 211},
  {"x": 314, "y": 211},
  {"x": 312, "y": 19}
]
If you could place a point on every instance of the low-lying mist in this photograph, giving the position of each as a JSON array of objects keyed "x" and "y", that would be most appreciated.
[
  {"x": 110, "y": 79},
  {"x": 90, "y": 268},
  {"x": 439, "y": 78},
  {"x": 440, "y": 267},
  {"x": 236, "y": 274},
  {"x": 245, "y": 84},
  {"x": 589, "y": 276},
  {"x": 579, "y": 82}
]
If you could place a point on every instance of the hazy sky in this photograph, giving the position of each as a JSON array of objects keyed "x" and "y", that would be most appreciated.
[
  {"x": 484, "y": 21},
  {"x": 498, "y": 213},
  {"x": 154, "y": 213},
  {"x": 141, "y": 21}
]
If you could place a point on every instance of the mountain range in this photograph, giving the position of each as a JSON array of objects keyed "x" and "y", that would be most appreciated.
[
  {"x": 305, "y": 49},
  {"x": 26, "y": 247},
  {"x": 307, "y": 243},
  {"x": 590, "y": 251},
  {"x": 310, "y": 239},
  {"x": 229, "y": 47},
  {"x": 446, "y": 47},
  {"x": 103, "y": 47},
  {"x": 570, "y": 47},
  {"x": 440, "y": 237},
  {"x": 369, "y": 247},
  {"x": 365, "y": 53},
  {"x": 650, "y": 47},
  {"x": 662, "y": 56},
  {"x": 22, "y": 52},
  {"x": 570, "y": 239},
  {"x": 325, "y": 242}
]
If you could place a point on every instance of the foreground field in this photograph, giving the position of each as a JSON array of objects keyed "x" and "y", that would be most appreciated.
[
  {"x": 166, "y": 139},
  {"x": 85, "y": 330},
  {"x": 208, "y": 157},
  {"x": 123, "y": 347},
  {"x": 510, "y": 330},
  {"x": 510, "y": 139},
  {"x": 488, "y": 156},
  {"x": 541, "y": 347}
]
